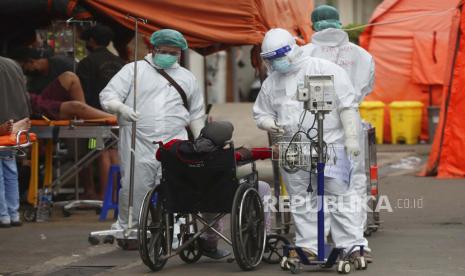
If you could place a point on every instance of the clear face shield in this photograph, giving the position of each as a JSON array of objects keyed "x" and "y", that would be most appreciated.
[{"x": 278, "y": 59}]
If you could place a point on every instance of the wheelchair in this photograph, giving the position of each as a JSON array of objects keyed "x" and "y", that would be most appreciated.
[{"x": 195, "y": 184}]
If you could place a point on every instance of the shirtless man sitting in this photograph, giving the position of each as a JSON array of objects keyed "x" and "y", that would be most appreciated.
[
  {"x": 55, "y": 92},
  {"x": 64, "y": 99}
]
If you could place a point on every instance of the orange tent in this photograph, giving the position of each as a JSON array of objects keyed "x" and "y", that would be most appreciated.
[
  {"x": 408, "y": 41},
  {"x": 446, "y": 157},
  {"x": 213, "y": 24}
]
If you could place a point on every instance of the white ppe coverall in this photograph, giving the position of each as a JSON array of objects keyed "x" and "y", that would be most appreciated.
[
  {"x": 277, "y": 101},
  {"x": 333, "y": 45},
  {"x": 161, "y": 117}
]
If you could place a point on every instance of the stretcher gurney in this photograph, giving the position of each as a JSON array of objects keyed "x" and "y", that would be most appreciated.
[
  {"x": 16, "y": 143},
  {"x": 49, "y": 132}
]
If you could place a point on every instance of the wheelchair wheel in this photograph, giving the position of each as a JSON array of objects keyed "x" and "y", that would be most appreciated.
[
  {"x": 152, "y": 232},
  {"x": 247, "y": 227},
  {"x": 274, "y": 248},
  {"x": 192, "y": 252}
]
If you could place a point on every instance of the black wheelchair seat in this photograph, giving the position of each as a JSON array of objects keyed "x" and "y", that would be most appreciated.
[{"x": 198, "y": 182}]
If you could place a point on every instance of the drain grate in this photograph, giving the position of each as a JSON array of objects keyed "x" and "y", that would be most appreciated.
[{"x": 84, "y": 270}]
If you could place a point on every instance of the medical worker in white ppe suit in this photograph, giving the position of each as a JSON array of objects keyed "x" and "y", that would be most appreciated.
[
  {"x": 277, "y": 110},
  {"x": 160, "y": 116},
  {"x": 331, "y": 43}
]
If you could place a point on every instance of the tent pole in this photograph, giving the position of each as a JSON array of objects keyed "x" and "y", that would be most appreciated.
[
  {"x": 430, "y": 95},
  {"x": 449, "y": 91}
]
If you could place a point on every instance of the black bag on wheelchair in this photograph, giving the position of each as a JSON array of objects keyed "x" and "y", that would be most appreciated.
[{"x": 193, "y": 182}]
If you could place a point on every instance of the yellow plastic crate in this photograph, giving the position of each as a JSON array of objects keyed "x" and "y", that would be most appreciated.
[
  {"x": 373, "y": 112},
  {"x": 405, "y": 121}
]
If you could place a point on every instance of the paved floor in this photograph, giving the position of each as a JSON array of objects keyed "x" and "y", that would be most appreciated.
[{"x": 423, "y": 235}]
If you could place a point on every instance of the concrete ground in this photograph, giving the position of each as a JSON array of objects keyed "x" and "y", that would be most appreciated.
[{"x": 423, "y": 235}]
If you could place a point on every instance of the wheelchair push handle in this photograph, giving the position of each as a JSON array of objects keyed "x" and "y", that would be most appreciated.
[
  {"x": 159, "y": 143},
  {"x": 228, "y": 144}
]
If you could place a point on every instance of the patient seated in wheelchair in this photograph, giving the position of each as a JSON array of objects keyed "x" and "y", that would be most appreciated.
[{"x": 214, "y": 137}]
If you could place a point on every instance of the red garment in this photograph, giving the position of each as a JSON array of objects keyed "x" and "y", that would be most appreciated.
[
  {"x": 166, "y": 146},
  {"x": 48, "y": 103},
  {"x": 257, "y": 153}
]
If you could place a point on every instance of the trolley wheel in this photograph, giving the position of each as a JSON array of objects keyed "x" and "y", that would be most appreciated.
[
  {"x": 294, "y": 267},
  {"x": 247, "y": 227},
  {"x": 284, "y": 264},
  {"x": 93, "y": 240},
  {"x": 109, "y": 239},
  {"x": 343, "y": 267},
  {"x": 152, "y": 232},
  {"x": 29, "y": 213},
  {"x": 274, "y": 248},
  {"x": 192, "y": 252},
  {"x": 367, "y": 233},
  {"x": 360, "y": 263},
  {"x": 65, "y": 212}
]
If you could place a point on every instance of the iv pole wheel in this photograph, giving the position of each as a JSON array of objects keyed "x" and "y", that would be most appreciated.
[
  {"x": 344, "y": 267},
  {"x": 294, "y": 267},
  {"x": 93, "y": 240}
]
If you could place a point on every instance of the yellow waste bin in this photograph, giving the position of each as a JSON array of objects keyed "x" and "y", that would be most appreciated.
[
  {"x": 373, "y": 112},
  {"x": 405, "y": 121}
]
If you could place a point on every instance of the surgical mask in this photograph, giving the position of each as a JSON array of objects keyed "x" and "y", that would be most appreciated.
[
  {"x": 164, "y": 60},
  {"x": 281, "y": 65}
]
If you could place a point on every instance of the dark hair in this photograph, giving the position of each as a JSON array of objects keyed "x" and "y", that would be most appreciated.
[
  {"x": 100, "y": 33},
  {"x": 27, "y": 53}
]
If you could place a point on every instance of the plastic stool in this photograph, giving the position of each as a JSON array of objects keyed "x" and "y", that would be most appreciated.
[{"x": 108, "y": 202}]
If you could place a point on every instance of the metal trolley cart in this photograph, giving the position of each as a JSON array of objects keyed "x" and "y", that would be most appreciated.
[
  {"x": 373, "y": 219},
  {"x": 318, "y": 95}
]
